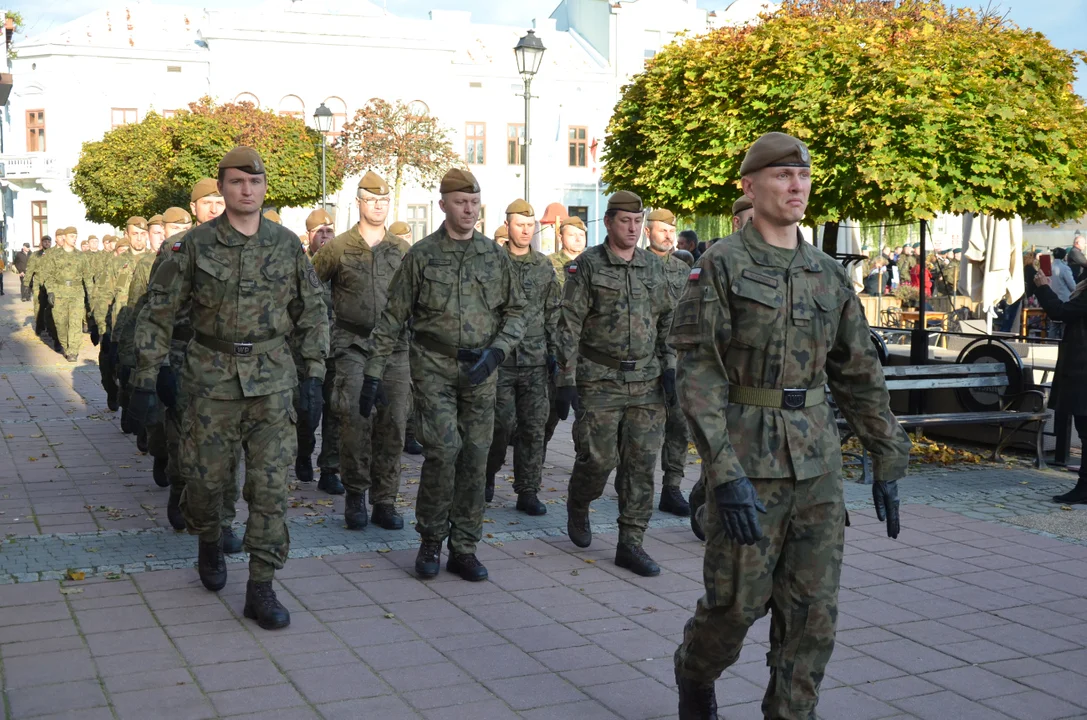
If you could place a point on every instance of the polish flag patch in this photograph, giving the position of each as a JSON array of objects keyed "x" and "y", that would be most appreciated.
[
  {"x": 696, "y": 273},
  {"x": 572, "y": 268},
  {"x": 177, "y": 246}
]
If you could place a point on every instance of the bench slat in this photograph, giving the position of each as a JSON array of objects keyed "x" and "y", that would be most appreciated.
[
  {"x": 959, "y": 382},
  {"x": 935, "y": 370},
  {"x": 1010, "y": 416}
]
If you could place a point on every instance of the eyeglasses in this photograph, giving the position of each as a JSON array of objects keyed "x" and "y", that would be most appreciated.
[{"x": 375, "y": 202}]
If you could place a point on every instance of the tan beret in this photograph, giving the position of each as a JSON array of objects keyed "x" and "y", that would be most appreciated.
[
  {"x": 108, "y": 238},
  {"x": 92, "y": 237},
  {"x": 243, "y": 158},
  {"x": 501, "y": 232},
  {"x": 272, "y": 215},
  {"x": 155, "y": 220},
  {"x": 70, "y": 230},
  {"x": 137, "y": 221},
  {"x": 203, "y": 188},
  {"x": 123, "y": 242},
  {"x": 662, "y": 215},
  {"x": 775, "y": 149},
  {"x": 625, "y": 200},
  {"x": 574, "y": 221},
  {"x": 400, "y": 228},
  {"x": 457, "y": 180},
  {"x": 742, "y": 203},
  {"x": 520, "y": 207},
  {"x": 316, "y": 219},
  {"x": 372, "y": 183},
  {"x": 177, "y": 216}
]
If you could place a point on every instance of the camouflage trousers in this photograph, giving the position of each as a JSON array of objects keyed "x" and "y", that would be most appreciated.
[
  {"x": 552, "y": 415},
  {"x": 618, "y": 427},
  {"x": 674, "y": 451},
  {"x": 68, "y": 312},
  {"x": 520, "y": 411},
  {"x": 213, "y": 432},
  {"x": 370, "y": 447},
  {"x": 454, "y": 422},
  {"x": 329, "y": 458},
  {"x": 794, "y": 571}
]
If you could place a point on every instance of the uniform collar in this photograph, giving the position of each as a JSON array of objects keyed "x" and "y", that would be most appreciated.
[
  {"x": 478, "y": 245},
  {"x": 228, "y": 235},
  {"x": 638, "y": 260},
  {"x": 356, "y": 238},
  {"x": 763, "y": 254},
  {"x": 527, "y": 257}
]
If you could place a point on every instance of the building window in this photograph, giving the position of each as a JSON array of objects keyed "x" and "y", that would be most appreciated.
[
  {"x": 247, "y": 98},
  {"x": 339, "y": 114},
  {"x": 39, "y": 222},
  {"x": 515, "y": 144},
  {"x": 417, "y": 220},
  {"x": 169, "y": 113},
  {"x": 122, "y": 116},
  {"x": 581, "y": 211},
  {"x": 475, "y": 142},
  {"x": 292, "y": 106},
  {"x": 652, "y": 43},
  {"x": 579, "y": 147},
  {"x": 418, "y": 108},
  {"x": 482, "y": 222},
  {"x": 35, "y": 131}
]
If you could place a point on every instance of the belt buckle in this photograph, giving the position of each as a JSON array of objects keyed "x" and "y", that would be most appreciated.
[
  {"x": 243, "y": 348},
  {"x": 628, "y": 365},
  {"x": 793, "y": 398}
]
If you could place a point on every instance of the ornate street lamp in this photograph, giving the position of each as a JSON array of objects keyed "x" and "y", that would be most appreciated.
[
  {"x": 322, "y": 120},
  {"x": 529, "y": 52}
]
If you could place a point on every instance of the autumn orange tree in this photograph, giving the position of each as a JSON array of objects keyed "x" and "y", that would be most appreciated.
[
  {"x": 143, "y": 168},
  {"x": 909, "y": 108},
  {"x": 400, "y": 143}
]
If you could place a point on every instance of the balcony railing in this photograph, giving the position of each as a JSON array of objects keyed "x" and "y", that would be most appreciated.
[{"x": 30, "y": 166}]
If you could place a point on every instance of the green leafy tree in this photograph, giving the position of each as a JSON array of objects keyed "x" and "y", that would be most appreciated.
[
  {"x": 398, "y": 142},
  {"x": 909, "y": 108},
  {"x": 143, "y": 168}
]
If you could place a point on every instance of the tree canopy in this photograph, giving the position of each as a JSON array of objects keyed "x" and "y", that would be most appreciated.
[
  {"x": 143, "y": 168},
  {"x": 398, "y": 141},
  {"x": 909, "y": 108}
]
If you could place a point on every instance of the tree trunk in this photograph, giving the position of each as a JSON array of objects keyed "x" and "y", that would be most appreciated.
[{"x": 397, "y": 182}]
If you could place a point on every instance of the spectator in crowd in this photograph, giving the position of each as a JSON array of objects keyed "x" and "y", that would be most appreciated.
[
  {"x": 1011, "y": 312},
  {"x": 876, "y": 277},
  {"x": 1077, "y": 260},
  {"x": 1062, "y": 281},
  {"x": 688, "y": 240},
  {"x": 19, "y": 262}
]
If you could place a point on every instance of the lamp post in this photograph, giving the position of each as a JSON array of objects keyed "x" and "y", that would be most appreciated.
[
  {"x": 322, "y": 119},
  {"x": 529, "y": 53}
]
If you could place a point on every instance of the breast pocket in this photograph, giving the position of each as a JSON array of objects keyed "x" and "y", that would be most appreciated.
[
  {"x": 279, "y": 280},
  {"x": 437, "y": 287},
  {"x": 829, "y": 315},
  {"x": 494, "y": 289},
  {"x": 755, "y": 312},
  {"x": 210, "y": 281},
  {"x": 606, "y": 291}
]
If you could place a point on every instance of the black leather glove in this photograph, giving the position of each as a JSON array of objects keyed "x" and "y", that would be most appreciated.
[
  {"x": 737, "y": 503},
  {"x": 668, "y": 382},
  {"x": 566, "y": 398},
  {"x": 313, "y": 401},
  {"x": 372, "y": 394},
  {"x": 93, "y": 327},
  {"x": 166, "y": 386},
  {"x": 141, "y": 406},
  {"x": 885, "y": 496},
  {"x": 485, "y": 362},
  {"x": 124, "y": 373},
  {"x": 552, "y": 367},
  {"x": 105, "y": 340}
]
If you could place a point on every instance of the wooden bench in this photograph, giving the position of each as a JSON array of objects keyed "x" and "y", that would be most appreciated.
[{"x": 966, "y": 378}]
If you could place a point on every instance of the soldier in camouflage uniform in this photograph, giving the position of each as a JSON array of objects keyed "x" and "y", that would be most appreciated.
[
  {"x": 501, "y": 235},
  {"x": 131, "y": 246},
  {"x": 572, "y": 236},
  {"x": 462, "y": 293},
  {"x": 361, "y": 264},
  {"x": 65, "y": 276},
  {"x": 765, "y": 322},
  {"x": 248, "y": 284},
  {"x": 318, "y": 233},
  {"x": 521, "y": 410},
  {"x": 617, "y": 373},
  {"x": 34, "y": 266},
  {"x": 660, "y": 231},
  {"x": 411, "y": 446}
]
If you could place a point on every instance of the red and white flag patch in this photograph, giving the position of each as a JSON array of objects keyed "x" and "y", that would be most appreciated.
[
  {"x": 572, "y": 268},
  {"x": 177, "y": 246},
  {"x": 696, "y": 273}
]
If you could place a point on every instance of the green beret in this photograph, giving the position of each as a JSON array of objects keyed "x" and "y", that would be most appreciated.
[
  {"x": 775, "y": 149},
  {"x": 742, "y": 203},
  {"x": 625, "y": 200},
  {"x": 520, "y": 207},
  {"x": 662, "y": 215},
  {"x": 372, "y": 183},
  {"x": 243, "y": 158},
  {"x": 457, "y": 180}
]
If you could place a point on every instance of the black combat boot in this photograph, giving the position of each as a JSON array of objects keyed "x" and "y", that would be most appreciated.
[
  {"x": 672, "y": 502},
  {"x": 429, "y": 560},
  {"x": 696, "y": 701},
  {"x": 411, "y": 445},
  {"x": 232, "y": 544},
  {"x": 141, "y": 439},
  {"x": 173, "y": 510},
  {"x": 528, "y": 503},
  {"x": 211, "y": 564},
  {"x": 386, "y": 516},
  {"x": 330, "y": 483},
  {"x": 303, "y": 470},
  {"x": 126, "y": 424},
  {"x": 488, "y": 495},
  {"x": 1075, "y": 496},
  {"x": 111, "y": 400},
  {"x": 636, "y": 559},
  {"x": 577, "y": 526},
  {"x": 262, "y": 605},
  {"x": 159, "y": 472},
  {"x": 467, "y": 565},
  {"x": 698, "y": 513},
  {"x": 71, "y": 357},
  {"x": 354, "y": 511}
]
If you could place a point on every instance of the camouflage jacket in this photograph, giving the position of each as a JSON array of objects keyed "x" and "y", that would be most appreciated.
[
  {"x": 558, "y": 261},
  {"x": 123, "y": 267},
  {"x": 459, "y": 293},
  {"x": 677, "y": 272},
  {"x": 125, "y": 333},
  {"x": 63, "y": 272},
  {"x": 615, "y": 309},
  {"x": 745, "y": 319},
  {"x": 543, "y": 299},
  {"x": 250, "y": 291},
  {"x": 360, "y": 278}
]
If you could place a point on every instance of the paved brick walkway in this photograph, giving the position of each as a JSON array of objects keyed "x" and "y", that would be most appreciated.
[{"x": 965, "y": 616}]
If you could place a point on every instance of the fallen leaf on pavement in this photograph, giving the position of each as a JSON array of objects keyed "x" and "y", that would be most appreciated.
[{"x": 76, "y": 574}]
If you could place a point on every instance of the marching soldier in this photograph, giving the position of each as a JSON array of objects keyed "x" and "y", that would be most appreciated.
[
  {"x": 765, "y": 322},
  {"x": 130, "y": 247},
  {"x": 617, "y": 372},
  {"x": 572, "y": 237},
  {"x": 65, "y": 275},
  {"x": 501, "y": 235},
  {"x": 460, "y": 290},
  {"x": 402, "y": 230}
]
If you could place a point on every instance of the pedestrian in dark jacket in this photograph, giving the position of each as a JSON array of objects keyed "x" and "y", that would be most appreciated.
[
  {"x": 1077, "y": 260},
  {"x": 1069, "y": 392},
  {"x": 19, "y": 262}
]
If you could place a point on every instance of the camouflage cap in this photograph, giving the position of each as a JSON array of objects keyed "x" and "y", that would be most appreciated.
[
  {"x": 272, "y": 215},
  {"x": 520, "y": 207},
  {"x": 501, "y": 232},
  {"x": 625, "y": 200},
  {"x": 662, "y": 215},
  {"x": 742, "y": 203},
  {"x": 176, "y": 215},
  {"x": 775, "y": 149},
  {"x": 400, "y": 228},
  {"x": 137, "y": 221},
  {"x": 243, "y": 158},
  {"x": 316, "y": 219},
  {"x": 574, "y": 221},
  {"x": 155, "y": 220},
  {"x": 371, "y": 182},
  {"x": 457, "y": 180},
  {"x": 203, "y": 188}
]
